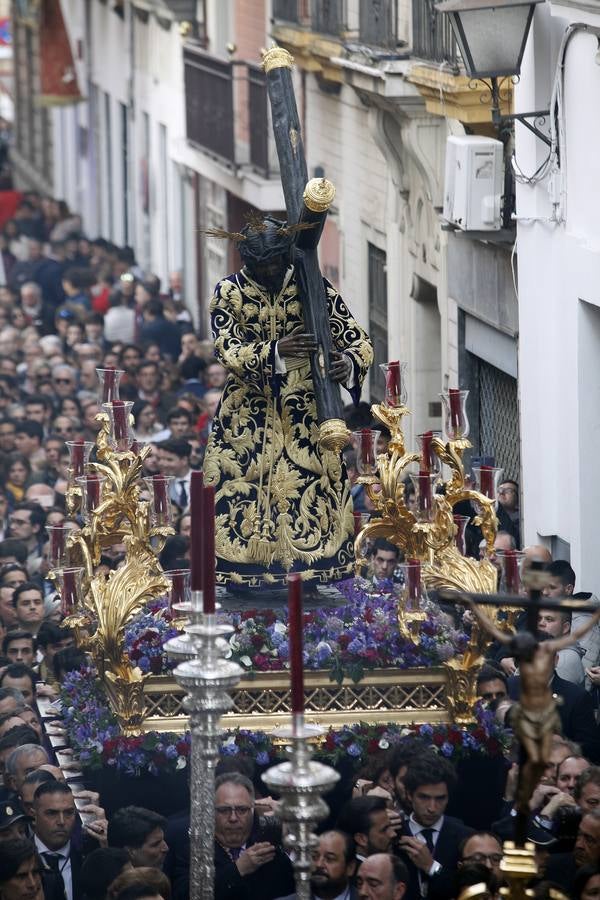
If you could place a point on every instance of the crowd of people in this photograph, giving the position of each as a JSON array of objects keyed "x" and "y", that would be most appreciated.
[{"x": 70, "y": 305}]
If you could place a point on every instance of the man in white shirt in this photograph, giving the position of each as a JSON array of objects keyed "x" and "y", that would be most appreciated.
[{"x": 54, "y": 821}]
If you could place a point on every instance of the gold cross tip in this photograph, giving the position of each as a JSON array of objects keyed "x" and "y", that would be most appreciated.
[{"x": 276, "y": 58}]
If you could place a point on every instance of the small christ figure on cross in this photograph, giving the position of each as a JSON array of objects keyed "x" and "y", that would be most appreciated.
[{"x": 534, "y": 719}]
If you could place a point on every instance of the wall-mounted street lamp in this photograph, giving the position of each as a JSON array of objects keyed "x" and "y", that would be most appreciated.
[{"x": 491, "y": 35}]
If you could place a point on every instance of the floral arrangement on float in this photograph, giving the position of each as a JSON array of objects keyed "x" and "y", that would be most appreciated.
[
  {"x": 95, "y": 737},
  {"x": 362, "y": 634}
]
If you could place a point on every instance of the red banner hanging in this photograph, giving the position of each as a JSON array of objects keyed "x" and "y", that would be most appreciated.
[{"x": 58, "y": 76}]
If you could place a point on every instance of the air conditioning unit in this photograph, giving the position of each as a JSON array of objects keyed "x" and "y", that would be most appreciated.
[{"x": 474, "y": 183}]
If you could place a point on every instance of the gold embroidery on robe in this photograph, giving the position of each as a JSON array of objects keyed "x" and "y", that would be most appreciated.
[{"x": 282, "y": 504}]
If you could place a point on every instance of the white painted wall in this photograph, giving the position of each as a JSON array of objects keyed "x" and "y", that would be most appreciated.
[{"x": 559, "y": 302}]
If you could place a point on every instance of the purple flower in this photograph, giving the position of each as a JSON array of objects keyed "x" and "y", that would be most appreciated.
[
  {"x": 353, "y": 750},
  {"x": 446, "y": 749},
  {"x": 262, "y": 758}
]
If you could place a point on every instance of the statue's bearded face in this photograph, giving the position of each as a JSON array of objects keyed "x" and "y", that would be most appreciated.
[{"x": 270, "y": 273}]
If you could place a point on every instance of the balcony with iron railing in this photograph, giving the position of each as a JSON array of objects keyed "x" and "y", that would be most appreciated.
[
  {"x": 432, "y": 38},
  {"x": 227, "y": 113}
]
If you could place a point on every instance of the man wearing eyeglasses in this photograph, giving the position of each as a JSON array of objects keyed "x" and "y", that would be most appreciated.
[
  {"x": 63, "y": 381},
  {"x": 26, "y": 523},
  {"x": 484, "y": 848},
  {"x": 507, "y": 509},
  {"x": 249, "y": 859}
]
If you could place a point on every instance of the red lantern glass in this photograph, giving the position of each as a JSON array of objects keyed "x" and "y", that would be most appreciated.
[
  {"x": 424, "y": 485},
  {"x": 487, "y": 479},
  {"x": 395, "y": 383},
  {"x": 511, "y": 563},
  {"x": 430, "y": 462},
  {"x": 456, "y": 423},
  {"x": 365, "y": 443},
  {"x": 121, "y": 435},
  {"x": 109, "y": 379},
  {"x": 57, "y": 545},
  {"x": 69, "y": 584},
  {"x": 91, "y": 493},
  {"x": 412, "y": 588},
  {"x": 160, "y": 502},
  {"x": 461, "y": 523},
  {"x": 179, "y": 594},
  {"x": 79, "y": 452}
]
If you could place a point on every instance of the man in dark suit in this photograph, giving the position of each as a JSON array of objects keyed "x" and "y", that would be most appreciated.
[
  {"x": 429, "y": 841},
  {"x": 561, "y": 867},
  {"x": 249, "y": 859},
  {"x": 54, "y": 821},
  {"x": 576, "y": 713}
]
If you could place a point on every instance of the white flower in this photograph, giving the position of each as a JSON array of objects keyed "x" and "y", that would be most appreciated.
[
  {"x": 264, "y": 649},
  {"x": 181, "y": 763},
  {"x": 230, "y": 741},
  {"x": 228, "y": 653},
  {"x": 246, "y": 661},
  {"x": 280, "y": 628},
  {"x": 234, "y": 643},
  {"x": 383, "y": 744}
]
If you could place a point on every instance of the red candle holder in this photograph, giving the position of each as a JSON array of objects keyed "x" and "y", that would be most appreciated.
[
  {"x": 365, "y": 444},
  {"x": 91, "y": 494},
  {"x": 57, "y": 545},
  {"x": 179, "y": 592},
  {"x": 79, "y": 452},
  {"x": 121, "y": 435},
  {"x": 395, "y": 383},
  {"x": 511, "y": 564},
  {"x": 487, "y": 480},
  {"x": 456, "y": 422},
  {"x": 424, "y": 485},
  {"x": 109, "y": 379},
  {"x": 161, "y": 513},
  {"x": 430, "y": 462},
  {"x": 412, "y": 589},
  {"x": 70, "y": 589},
  {"x": 461, "y": 523}
]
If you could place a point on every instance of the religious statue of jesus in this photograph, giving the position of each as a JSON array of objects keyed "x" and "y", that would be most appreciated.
[
  {"x": 535, "y": 718},
  {"x": 283, "y": 503}
]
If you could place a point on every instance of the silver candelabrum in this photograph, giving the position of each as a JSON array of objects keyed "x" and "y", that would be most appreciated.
[
  {"x": 207, "y": 679},
  {"x": 300, "y": 782}
]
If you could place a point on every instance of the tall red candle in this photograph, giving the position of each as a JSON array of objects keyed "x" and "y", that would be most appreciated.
[
  {"x": 68, "y": 593},
  {"x": 120, "y": 420},
  {"x": 511, "y": 571},
  {"x": 161, "y": 499},
  {"x": 414, "y": 579},
  {"x": 357, "y": 523},
  {"x": 295, "y": 642},
  {"x": 196, "y": 491},
  {"x": 208, "y": 549},
  {"x": 392, "y": 383},
  {"x": 108, "y": 385},
  {"x": 93, "y": 491},
  {"x": 456, "y": 417},
  {"x": 426, "y": 460},
  {"x": 486, "y": 480},
  {"x": 78, "y": 457},
  {"x": 366, "y": 447}
]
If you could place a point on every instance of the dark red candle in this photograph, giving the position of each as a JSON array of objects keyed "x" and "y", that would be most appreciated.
[
  {"x": 366, "y": 447},
  {"x": 486, "y": 480},
  {"x": 78, "y": 457},
  {"x": 177, "y": 587},
  {"x": 68, "y": 593},
  {"x": 208, "y": 549},
  {"x": 120, "y": 420},
  {"x": 196, "y": 491},
  {"x": 295, "y": 642},
  {"x": 135, "y": 447},
  {"x": 413, "y": 568},
  {"x": 109, "y": 383},
  {"x": 357, "y": 523},
  {"x": 456, "y": 416},
  {"x": 511, "y": 571},
  {"x": 426, "y": 452},
  {"x": 424, "y": 499},
  {"x": 57, "y": 541},
  {"x": 161, "y": 498},
  {"x": 392, "y": 383},
  {"x": 93, "y": 492}
]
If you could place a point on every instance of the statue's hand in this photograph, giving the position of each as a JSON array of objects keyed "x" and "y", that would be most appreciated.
[
  {"x": 340, "y": 366},
  {"x": 297, "y": 344}
]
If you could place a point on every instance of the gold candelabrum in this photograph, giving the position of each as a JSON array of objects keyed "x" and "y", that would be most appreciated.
[
  {"x": 427, "y": 534},
  {"x": 106, "y": 492}
]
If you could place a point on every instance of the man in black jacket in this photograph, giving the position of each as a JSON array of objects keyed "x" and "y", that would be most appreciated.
[
  {"x": 430, "y": 840},
  {"x": 249, "y": 859}
]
